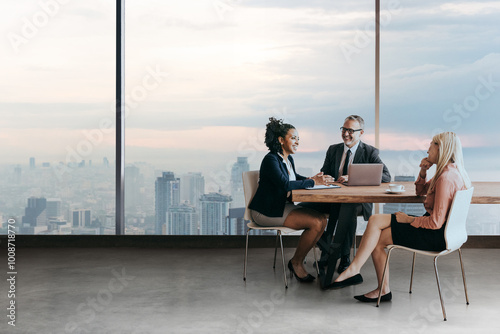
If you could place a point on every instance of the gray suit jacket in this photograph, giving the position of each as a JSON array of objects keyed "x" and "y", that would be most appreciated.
[{"x": 364, "y": 154}]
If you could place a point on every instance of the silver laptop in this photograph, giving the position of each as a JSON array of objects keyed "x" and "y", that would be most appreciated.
[{"x": 364, "y": 175}]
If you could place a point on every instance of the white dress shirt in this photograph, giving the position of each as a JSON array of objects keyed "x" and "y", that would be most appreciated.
[{"x": 351, "y": 158}]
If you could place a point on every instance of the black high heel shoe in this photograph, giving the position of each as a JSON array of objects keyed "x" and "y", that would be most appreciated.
[{"x": 308, "y": 279}]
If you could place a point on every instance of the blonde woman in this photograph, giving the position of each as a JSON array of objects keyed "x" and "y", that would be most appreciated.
[{"x": 426, "y": 232}]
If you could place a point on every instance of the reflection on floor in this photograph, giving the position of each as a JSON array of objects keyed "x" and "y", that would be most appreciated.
[{"x": 138, "y": 291}]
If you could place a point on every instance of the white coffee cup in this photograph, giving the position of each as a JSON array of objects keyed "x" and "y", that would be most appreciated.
[{"x": 396, "y": 187}]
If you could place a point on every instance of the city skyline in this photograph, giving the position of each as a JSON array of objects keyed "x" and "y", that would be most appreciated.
[
  {"x": 66, "y": 215},
  {"x": 184, "y": 218}
]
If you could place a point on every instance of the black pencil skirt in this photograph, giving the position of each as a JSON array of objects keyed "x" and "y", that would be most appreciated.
[{"x": 419, "y": 238}]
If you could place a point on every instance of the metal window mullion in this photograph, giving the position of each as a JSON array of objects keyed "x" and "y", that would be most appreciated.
[
  {"x": 120, "y": 120},
  {"x": 377, "y": 82},
  {"x": 377, "y": 73}
]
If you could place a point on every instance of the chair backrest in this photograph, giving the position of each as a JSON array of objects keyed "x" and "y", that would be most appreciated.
[
  {"x": 250, "y": 184},
  {"x": 455, "y": 233}
]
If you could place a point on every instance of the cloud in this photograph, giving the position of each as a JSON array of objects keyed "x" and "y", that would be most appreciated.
[
  {"x": 228, "y": 75},
  {"x": 472, "y": 8},
  {"x": 25, "y": 115},
  {"x": 452, "y": 98},
  {"x": 210, "y": 138}
]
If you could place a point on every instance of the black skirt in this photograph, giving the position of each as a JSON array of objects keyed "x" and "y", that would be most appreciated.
[{"x": 419, "y": 238}]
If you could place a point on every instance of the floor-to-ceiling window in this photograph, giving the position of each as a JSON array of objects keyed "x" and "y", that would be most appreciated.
[
  {"x": 203, "y": 78},
  {"x": 440, "y": 71},
  {"x": 57, "y": 117}
]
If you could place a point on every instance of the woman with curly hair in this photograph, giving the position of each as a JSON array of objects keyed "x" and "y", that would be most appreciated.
[
  {"x": 271, "y": 205},
  {"x": 424, "y": 233}
]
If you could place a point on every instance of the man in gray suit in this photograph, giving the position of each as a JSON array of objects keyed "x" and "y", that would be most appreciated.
[{"x": 343, "y": 216}]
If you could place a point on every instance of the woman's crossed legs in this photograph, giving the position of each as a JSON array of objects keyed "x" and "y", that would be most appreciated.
[{"x": 376, "y": 237}]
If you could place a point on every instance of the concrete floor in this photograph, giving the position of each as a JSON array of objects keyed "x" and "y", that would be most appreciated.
[{"x": 139, "y": 291}]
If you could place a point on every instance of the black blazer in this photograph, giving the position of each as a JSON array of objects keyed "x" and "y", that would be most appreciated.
[
  {"x": 365, "y": 154},
  {"x": 274, "y": 184}
]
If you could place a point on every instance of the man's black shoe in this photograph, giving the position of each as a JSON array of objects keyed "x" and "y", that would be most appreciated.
[{"x": 345, "y": 261}]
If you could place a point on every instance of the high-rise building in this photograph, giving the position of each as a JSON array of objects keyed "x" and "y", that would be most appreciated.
[
  {"x": 35, "y": 213},
  {"x": 192, "y": 187},
  {"x": 214, "y": 214},
  {"x": 415, "y": 209},
  {"x": 105, "y": 162},
  {"x": 82, "y": 218},
  {"x": 182, "y": 220},
  {"x": 237, "y": 224},
  {"x": 167, "y": 194},
  {"x": 32, "y": 163},
  {"x": 35, "y": 219},
  {"x": 404, "y": 178},
  {"x": 54, "y": 208},
  {"x": 108, "y": 224},
  {"x": 241, "y": 165}
]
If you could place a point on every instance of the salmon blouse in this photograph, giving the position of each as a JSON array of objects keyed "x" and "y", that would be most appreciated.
[{"x": 438, "y": 201}]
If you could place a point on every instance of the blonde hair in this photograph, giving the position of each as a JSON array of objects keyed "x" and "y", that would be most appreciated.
[{"x": 450, "y": 150}]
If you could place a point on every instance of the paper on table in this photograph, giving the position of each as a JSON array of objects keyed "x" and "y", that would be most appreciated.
[{"x": 323, "y": 187}]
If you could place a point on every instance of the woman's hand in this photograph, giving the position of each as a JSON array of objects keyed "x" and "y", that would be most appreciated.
[
  {"x": 425, "y": 164},
  {"x": 402, "y": 217},
  {"x": 322, "y": 179}
]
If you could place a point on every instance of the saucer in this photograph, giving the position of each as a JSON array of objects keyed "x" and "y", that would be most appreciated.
[{"x": 389, "y": 191}]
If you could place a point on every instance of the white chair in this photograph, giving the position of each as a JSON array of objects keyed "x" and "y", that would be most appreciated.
[
  {"x": 455, "y": 236},
  {"x": 250, "y": 184}
]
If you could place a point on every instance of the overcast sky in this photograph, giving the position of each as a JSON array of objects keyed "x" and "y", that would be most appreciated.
[{"x": 203, "y": 77}]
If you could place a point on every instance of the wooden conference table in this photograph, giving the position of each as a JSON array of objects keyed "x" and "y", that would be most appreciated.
[{"x": 484, "y": 193}]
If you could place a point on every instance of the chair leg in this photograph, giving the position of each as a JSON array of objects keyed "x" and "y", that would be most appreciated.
[
  {"x": 412, "y": 271},
  {"x": 283, "y": 260},
  {"x": 439, "y": 287},
  {"x": 276, "y": 248},
  {"x": 463, "y": 276},
  {"x": 383, "y": 276},
  {"x": 246, "y": 256}
]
